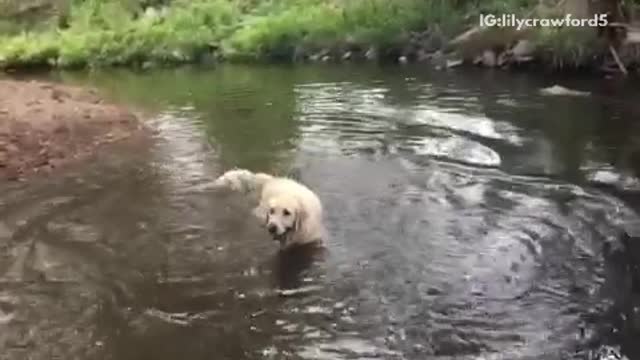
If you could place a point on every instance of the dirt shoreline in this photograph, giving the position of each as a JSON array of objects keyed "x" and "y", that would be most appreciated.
[{"x": 45, "y": 126}]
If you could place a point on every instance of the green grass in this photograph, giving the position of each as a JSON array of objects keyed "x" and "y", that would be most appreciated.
[
  {"x": 118, "y": 32},
  {"x": 104, "y": 33},
  {"x": 569, "y": 48}
]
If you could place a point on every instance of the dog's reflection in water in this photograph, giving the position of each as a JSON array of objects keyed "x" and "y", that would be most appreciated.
[{"x": 295, "y": 264}]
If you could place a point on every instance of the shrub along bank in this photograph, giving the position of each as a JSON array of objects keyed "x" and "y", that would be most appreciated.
[{"x": 146, "y": 33}]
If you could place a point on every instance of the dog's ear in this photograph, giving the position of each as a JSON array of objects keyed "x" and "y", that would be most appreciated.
[
  {"x": 297, "y": 222},
  {"x": 261, "y": 214},
  {"x": 301, "y": 217}
]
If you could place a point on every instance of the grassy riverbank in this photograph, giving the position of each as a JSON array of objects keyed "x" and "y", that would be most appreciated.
[
  {"x": 152, "y": 33},
  {"x": 113, "y": 32}
]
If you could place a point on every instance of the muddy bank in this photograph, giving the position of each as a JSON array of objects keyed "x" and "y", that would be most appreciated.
[{"x": 44, "y": 126}]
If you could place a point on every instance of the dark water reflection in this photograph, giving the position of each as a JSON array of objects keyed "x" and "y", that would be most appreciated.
[{"x": 467, "y": 216}]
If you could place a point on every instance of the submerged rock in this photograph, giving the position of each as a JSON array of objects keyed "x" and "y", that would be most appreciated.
[
  {"x": 502, "y": 59},
  {"x": 466, "y": 37},
  {"x": 451, "y": 63},
  {"x": 422, "y": 55},
  {"x": 489, "y": 58},
  {"x": 523, "y": 50},
  {"x": 557, "y": 90},
  {"x": 5, "y": 232},
  {"x": 371, "y": 54},
  {"x": 438, "y": 59},
  {"x": 299, "y": 54}
]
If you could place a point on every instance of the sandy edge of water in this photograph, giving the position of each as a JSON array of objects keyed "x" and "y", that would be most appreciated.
[{"x": 45, "y": 126}]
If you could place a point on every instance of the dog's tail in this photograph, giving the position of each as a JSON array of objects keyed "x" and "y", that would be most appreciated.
[{"x": 242, "y": 180}]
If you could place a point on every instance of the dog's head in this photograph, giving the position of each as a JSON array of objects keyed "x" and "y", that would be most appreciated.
[{"x": 284, "y": 216}]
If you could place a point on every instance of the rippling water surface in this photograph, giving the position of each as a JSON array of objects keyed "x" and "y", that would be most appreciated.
[{"x": 468, "y": 216}]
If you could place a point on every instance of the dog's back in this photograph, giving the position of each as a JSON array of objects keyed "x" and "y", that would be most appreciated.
[{"x": 242, "y": 180}]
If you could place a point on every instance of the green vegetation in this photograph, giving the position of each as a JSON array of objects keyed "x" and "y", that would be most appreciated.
[
  {"x": 115, "y": 32},
  {"x": 317, "y": 25},
  {"x": 158, "y": 32},
  {"x": 569, "y": 47},
  {"x": 112, "y": 33}
]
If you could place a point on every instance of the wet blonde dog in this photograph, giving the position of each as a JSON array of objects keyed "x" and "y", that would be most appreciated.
[{"x": 290, "y": 211}]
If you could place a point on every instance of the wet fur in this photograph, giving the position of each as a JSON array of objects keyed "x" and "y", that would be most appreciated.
[{"x": 303, "y": 226}]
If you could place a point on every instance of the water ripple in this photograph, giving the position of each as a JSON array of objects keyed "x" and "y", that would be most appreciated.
[{"x": 461, "y": 220}]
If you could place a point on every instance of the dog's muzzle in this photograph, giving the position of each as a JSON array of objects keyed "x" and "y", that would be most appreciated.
[{"x": 282, "y": 238}]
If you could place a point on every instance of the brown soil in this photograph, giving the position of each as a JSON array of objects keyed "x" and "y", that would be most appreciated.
[{"x": 44, "y": 126}]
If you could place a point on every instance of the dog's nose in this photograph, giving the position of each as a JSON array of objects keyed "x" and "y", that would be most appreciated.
[{"x": 272, "y": 229}]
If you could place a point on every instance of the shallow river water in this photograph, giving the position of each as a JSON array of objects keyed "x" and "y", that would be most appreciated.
[{"x": 468, "y": 217}]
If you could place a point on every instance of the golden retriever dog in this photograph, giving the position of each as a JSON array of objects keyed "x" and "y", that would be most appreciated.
[{"x": 290, "y": 211}]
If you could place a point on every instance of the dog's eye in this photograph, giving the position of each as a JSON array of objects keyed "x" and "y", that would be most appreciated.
[
  {"x": 272, "y": 211},
  {"x": 286, "y": 212}
]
